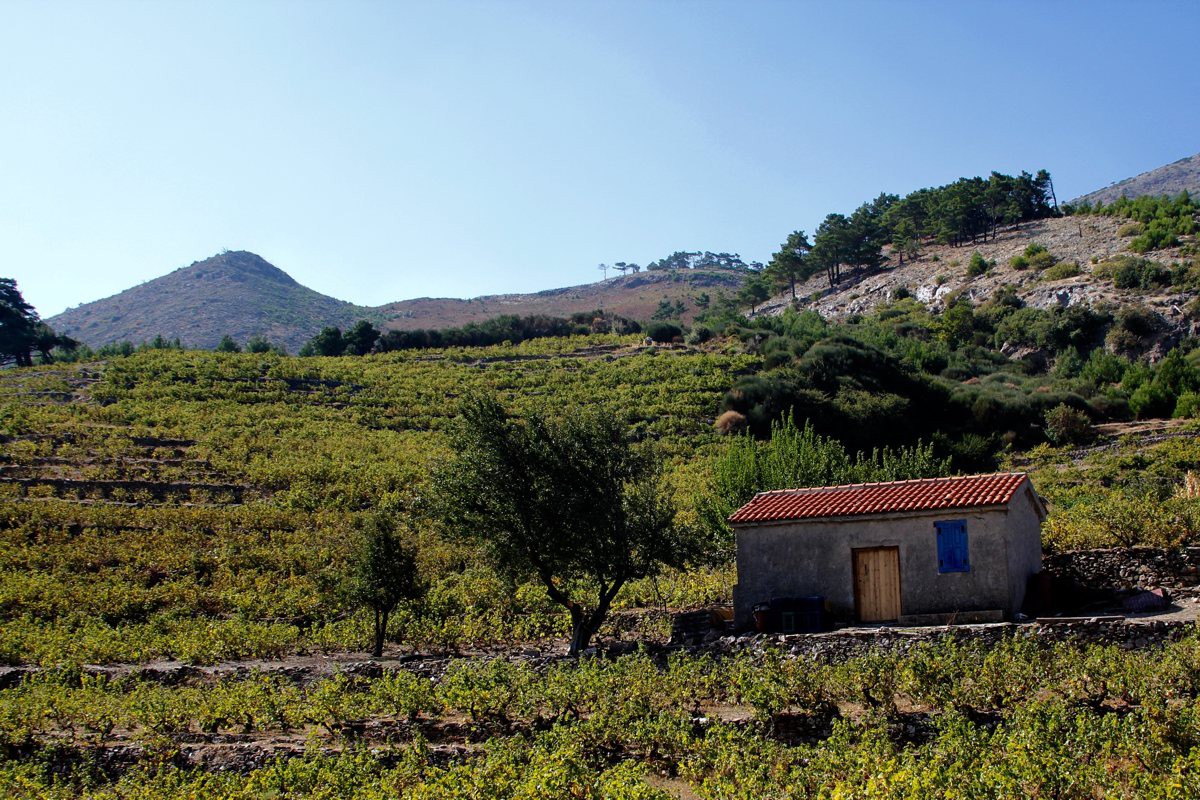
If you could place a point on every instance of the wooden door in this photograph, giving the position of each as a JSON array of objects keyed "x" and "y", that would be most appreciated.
[{"x": 877, "y": 583}]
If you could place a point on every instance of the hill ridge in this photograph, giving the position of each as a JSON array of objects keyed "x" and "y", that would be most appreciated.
[
  {"x": 241, "y": 294},
  {"x": 1169, "y": 179}
]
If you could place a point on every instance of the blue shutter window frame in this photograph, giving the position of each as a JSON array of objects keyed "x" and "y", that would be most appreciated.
[{"x": 952, "y": 546}]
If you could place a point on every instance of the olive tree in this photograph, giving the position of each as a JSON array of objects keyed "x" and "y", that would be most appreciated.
[{"x": 569, "y": 502}]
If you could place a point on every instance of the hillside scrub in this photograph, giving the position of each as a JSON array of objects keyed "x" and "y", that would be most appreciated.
[
  {"x": 966, "y": 211},
  {"x": 1163, "y": 221}
]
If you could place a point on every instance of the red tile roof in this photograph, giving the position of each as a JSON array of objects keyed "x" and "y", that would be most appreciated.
[{"x": 925, "y": 494}]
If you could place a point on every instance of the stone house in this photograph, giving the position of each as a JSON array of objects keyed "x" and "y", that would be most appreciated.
[{"x": 926, "y": 551}]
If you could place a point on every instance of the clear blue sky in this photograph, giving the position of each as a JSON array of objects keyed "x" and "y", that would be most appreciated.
[{"x": 380, "y": 151}]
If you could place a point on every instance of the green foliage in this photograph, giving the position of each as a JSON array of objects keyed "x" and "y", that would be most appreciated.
[
  {"x": 663, "y": 331},
  {"x": 755, "y": 290},
  {"x": 228, "y": 345},
  {"x": 22, "y": 333},
  {"x": 359, "y": 339},
  {"x": 507, "y": 328},
  {"x": 668, "y": 310},
  {"x": 385, "y": 574},
  {"x": 794, "y": 458},
  {"x": 1132, "y": 327},
  {"x": 328, "y": 342},
  {"x": 1035, "y": 256},
  {"x": 1061, "y": 271},
  {"x": 1128, "y": 272},
  {"x": 314, "y": 443},
  {"x": 1125, "y": 517},
  {"x": 569, "y": 502},
  {"x": 950, "y": 718},
  {"x": 978, "y": 265},
  {"x": 1054, "y": 329},
  {"x": 1066, "y": 425},
  {"x": 792, "y": 264},
  {"x": 1156, "y": 222}
]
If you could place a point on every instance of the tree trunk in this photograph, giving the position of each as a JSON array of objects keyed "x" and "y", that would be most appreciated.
[
  {"x": 793, "y": 280},
  {"x": 583, "y": 625},
  {"x": 381, "y": 618},
  {"x": 581, "y": 635}
]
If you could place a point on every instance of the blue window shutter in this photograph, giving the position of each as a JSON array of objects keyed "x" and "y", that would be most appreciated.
[{"x": 952, "y": 546}]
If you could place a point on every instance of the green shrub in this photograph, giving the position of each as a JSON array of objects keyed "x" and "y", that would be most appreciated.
[
  {"x": 978, "y": 265},
  {"x": 1152, "y": 400},
  {"x": 1131, "y": 229},
  {"x": 1128, "y": 272},
  {"x": 663, "y": 331},
  {"x": 1066, "y": 425},
  {"x": 1188, "y": 406},
  {"x": 699, "y": 334},
  {"x": 1131, "y": 327},
  {"x": 1038, "y": 257},
  {"x": 1061, "y": 271}
]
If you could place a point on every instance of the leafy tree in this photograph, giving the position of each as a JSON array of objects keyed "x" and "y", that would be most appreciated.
[
  {"x": 790, "y": 264},
  {"x": 46, "y": 341},
  {"x": 754, "y": 291},
  {"x": 361, "y": 339},
  {"x": 905, "y": 241},
  {"x": 228, "y": 345},
  {"x": 18, "y": 325},
  {"x": 258, "y": 344},
  {"x": 832, "y": 246},
  {"x": 328, "y": 342},
  {"x": 160, "y": 342},
  {"x": 569, "y": 502},
  {"x": 385, "y": 575}
]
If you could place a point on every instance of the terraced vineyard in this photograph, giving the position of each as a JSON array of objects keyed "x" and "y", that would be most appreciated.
[
  {"x": 175, "y": 535},
  {"x": 200, "y": 506}
]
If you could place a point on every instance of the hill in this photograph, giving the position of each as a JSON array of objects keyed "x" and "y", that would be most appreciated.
[
  {"x": 636, "y": 296},
  {"x": 242, "y": 295},
  {"x": 235, "y": 293},
  {"x": 941, "y": 272},
  {"x": 1178, "y": 176}
]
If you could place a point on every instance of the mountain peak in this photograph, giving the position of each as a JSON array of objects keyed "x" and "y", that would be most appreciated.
[
  {"x": 237, "y": 265},
  {"x": 234, "y": 292}
]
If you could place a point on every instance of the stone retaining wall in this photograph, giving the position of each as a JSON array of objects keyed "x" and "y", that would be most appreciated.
[
  {"x": 844, "y": 644},
  {"x": 1127, "y": 567}
]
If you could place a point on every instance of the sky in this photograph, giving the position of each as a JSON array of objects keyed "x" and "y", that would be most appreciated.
[{"x": 378, "y": 151}]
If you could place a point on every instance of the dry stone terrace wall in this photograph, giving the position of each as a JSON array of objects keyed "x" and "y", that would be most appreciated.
[
  {"x": 850, "y": 643},
  {"x": 1127, "y": 568}
]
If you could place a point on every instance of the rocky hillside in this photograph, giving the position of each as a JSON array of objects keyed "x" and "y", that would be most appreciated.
[
  {"x": 1179, "y": 176},
  {"x": 941, "y": 272},
  {"x": 242, "y": 295},
  {"x": 234, "y": 293}
]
